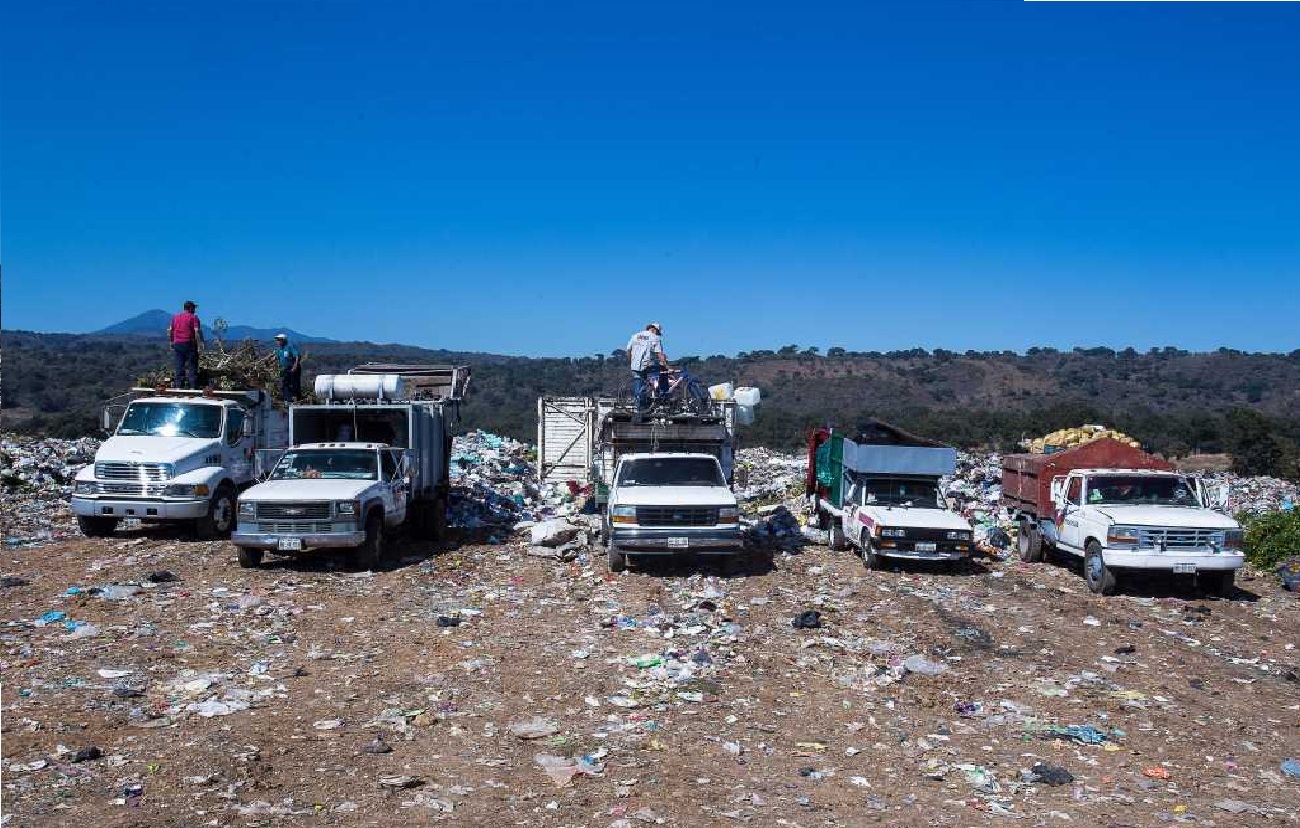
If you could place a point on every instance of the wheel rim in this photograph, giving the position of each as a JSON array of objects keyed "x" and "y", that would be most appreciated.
[
  {"x": 1022, "y": 541},
  {"x": 222, "y": 512}
]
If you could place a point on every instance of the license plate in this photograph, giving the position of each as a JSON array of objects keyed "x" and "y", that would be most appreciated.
[
  {"x": 679, "y": 542},
  {"x": 132, "y": 523},
  {"x": 289, "y": 545},
  {"x": 925, "y": 546},
  {"x": 1185, "y": 568}
]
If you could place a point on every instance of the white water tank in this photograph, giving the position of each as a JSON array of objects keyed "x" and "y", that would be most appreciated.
[
  {"x": 747, "y": 396},
  {"x": 361, "y": 386}
]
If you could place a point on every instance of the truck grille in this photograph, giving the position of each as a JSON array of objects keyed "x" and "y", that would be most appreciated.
[
  {"x": 297, "y": 528},
  {"x": 293, "y": 511},
  {"x": 676, "y": 516},
  {"x": 1175, "y": 538},
  {"x": 131, "y": 471},
  {"x": 132, "y": 489}
]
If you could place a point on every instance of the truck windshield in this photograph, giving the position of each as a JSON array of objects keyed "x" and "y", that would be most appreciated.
[
  {"x": 171, "y": 419},
  {"x": 1149, "y": 491},
  {"x": 338, "y": 464},
  {"x": 671, "y": 471},
  {"x": 887, "y": 491}
]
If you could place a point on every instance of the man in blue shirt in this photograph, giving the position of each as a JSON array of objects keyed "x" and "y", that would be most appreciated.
[{"x": 290, "y": 369}]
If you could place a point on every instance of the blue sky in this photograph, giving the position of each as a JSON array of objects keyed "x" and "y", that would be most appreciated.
[{"x": 544, "y": 177}]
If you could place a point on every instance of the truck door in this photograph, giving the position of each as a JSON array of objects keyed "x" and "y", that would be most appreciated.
[
  {"x": 1068, "y": 526},
  {"x": 238, "y": 446},
  {"x": 396, "y": 491}
]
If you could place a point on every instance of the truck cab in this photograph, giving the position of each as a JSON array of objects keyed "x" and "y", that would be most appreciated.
[
  {"x": 325, "y": 495},
  {"x": 1138, "y": 519},
  {"x": 176, "y": 456},
  {"x": 673, "y": 503}
]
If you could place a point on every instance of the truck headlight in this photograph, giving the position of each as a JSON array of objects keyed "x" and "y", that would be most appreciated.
[
  {"x": 186, "y": 490},
  {"x": 1234, "y": 539},
  {"x": 86, "y": 487},
  {"x": 345, "y": 508},
  {"x": 959, "y": 535},
  {"x": 622, "y": 514},
  {"x": 893, "y": 533},
  {"x": 1128, "y": 536},
  {"x": 729, "y": 514},
  {"x": 247, "y": 509}
]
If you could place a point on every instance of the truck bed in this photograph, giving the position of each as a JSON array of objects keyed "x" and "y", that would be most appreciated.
[{"x": 1027, "y": 478}]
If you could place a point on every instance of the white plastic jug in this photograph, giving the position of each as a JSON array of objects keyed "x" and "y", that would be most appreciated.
[
  {"x": 722, "y": 391},
  {"x": 744, "y": 415},
  {"x": 747, "y": 396}
]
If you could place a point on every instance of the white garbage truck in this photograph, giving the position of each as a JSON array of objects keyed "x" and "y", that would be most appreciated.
[
  {"x": 371, "y": 459},
  {"x": 664, "y": 485},
  {"x": 879, "y": 494},
  {"x": 176, "y": 456}
]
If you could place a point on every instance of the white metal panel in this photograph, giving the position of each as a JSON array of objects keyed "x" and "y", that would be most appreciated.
[{"x": 565, "y": 438}]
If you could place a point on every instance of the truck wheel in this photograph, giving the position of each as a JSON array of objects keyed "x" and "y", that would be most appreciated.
[
  {"x": 96, "y": 527},
  {"x": 250, "y": 558},
  {"x": 869, "y": 557},
  {"x": 220, "y": 518},
  {"x": 617, "y": 560},
  {"x": 838, "y": 542},
  {"x": 1100, "y": 578},
  {"x": 1028, "y": 542},
  {"x": 438, "y": 520},
  {"x": 1221, "y": 583},
  {"x": 370, "y": 554},
  {"x": 737, "y": 564}
]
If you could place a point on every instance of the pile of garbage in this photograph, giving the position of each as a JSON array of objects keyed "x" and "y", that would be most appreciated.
[
  {"x": 1068, "y": 438},
  {"x": 35, "y": 483},
  {"x": 240, "y": 366},
  {"x": 766, "y": 475}
]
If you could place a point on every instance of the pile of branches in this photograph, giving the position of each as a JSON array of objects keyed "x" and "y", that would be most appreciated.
[{"x": 240, "y": 367}]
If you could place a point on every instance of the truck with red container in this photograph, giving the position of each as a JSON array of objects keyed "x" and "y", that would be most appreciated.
[{"x": 1121, "y": 510}]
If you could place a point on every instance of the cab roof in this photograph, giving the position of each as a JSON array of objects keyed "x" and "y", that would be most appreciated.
[
  {"x": 669, "y": 455},
  {"x": 1131, "y": 472}
]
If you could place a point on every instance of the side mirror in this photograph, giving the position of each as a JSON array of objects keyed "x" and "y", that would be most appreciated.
[
  {"x": 1058, "y": 485},
  {"x": 106, "y": 420},
  {"x": 250, "y": 427}
]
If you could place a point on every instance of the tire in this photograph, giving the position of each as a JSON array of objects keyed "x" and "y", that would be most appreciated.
[
  {"x": 220, "y": 519},
  {"x": 250, "y": 558},
  {"x": 1029, "y": 543},
  {"x": 870, "y": 559},
  {"x": 438, "y": 519},
  {"x": 617, "y": 560},
  {"x": 1220, "y": 583},
  {"x": 838, "y": 542},
  {"x": 737, "y": 564},
  {"x": 97, "y": 527},
  {"x": 370, "y": 554},
  {"x": 1100, "y": 578}
]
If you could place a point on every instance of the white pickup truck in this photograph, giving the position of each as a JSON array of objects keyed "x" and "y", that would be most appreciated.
[
  {"x": 325, "y": 495},
  {"x": 674, "y": 503}
]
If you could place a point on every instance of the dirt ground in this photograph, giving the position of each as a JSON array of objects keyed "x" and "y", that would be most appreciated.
[{"x": 254, "y": 697}]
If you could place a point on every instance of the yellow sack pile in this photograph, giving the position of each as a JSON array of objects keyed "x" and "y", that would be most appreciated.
[{"x": 1068, "y": 438}]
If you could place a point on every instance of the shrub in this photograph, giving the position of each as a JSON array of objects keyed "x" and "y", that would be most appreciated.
[{"x": 1272, "y": 538}]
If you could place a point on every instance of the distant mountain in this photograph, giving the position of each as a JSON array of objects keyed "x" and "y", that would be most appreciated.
[{"x": 154, "y": 323}]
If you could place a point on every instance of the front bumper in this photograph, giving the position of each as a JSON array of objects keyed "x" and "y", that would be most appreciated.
[
  {"x": 153, "y": 509},
  {"x": 1206, "y": 560},
  {"x": 906, "y": 549},
  {"x": 697, "y": 541},
  {"x": 249, "y": 537}
]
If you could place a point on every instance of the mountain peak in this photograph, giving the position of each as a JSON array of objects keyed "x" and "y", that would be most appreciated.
[{"x": 154, "y": 323}]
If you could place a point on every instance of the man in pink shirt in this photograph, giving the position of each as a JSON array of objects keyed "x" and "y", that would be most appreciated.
[{"x": 185, "y": 333}]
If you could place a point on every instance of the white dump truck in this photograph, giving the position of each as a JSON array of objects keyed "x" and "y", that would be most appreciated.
[
  {"x": 1121, "y": 510},
  {"x": 371, "y": 459},
  {"x": 664, "y": 485},
  {"x": 879, "y": 494},
  {"x": 176, "y": 456}
]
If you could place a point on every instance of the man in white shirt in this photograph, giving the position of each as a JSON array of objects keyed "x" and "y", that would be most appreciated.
[{"x": 643, "y": 349}]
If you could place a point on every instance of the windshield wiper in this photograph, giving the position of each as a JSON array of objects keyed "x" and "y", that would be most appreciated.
[{"x": 125, "y": 431}]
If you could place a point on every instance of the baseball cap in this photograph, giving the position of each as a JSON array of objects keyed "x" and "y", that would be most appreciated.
[
  {"x": 189, "y": 304},
  {"x": 281, "y": 336},
  {"x": 656, "y": 326}
]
